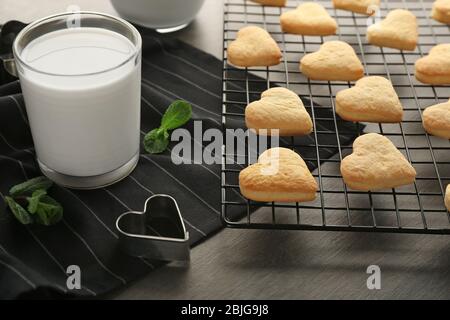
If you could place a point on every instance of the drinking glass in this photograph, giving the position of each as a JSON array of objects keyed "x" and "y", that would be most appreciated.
[{"x": 80, "y": 75}]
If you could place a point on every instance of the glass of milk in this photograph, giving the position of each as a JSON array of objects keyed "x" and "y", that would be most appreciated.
[
  {"x": 80, "y": 75},
  {"x": 163, "y": 15}
]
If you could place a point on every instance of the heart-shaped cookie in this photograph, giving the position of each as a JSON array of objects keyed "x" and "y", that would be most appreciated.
[
  {"x": 372, "y": 99},
  {"x": 280, "y": 175},
  {"x": 253, "y": 47},
  {"x": 368, "y": 7},
  {"x": 376, "y": 164},
  {"x": 335, "y": 61},
  {"x": 398, "y": 30},
  {"x": 435, "y": 67},
  {"x": 280, "y": 109},
  {"x": 436, "y": 120},
  {"x": 158, "y": 232},
  {"x": 441, "y": 11},
  {"x": 309, "y": 18},
  {"x": 275, "y": 3}
]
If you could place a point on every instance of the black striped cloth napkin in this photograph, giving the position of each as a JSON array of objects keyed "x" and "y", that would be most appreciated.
[{"x": 34, "y": 258}]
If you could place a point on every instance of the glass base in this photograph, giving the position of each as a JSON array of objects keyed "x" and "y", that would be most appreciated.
[
  {"x": 91, "y": 182},
  {"x": 172, "y": 29}
]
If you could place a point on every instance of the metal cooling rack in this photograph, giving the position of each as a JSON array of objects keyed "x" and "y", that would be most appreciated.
[{"x": 417, "y": 208}]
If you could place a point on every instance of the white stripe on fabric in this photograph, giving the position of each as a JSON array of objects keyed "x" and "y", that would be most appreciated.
[
  {"x": 190, "y": 63},
  {"x": 182, "y": 78},
  {"x": 19, "y": 106},
  {"x": 18, "y": 162},
  {"x": 151, "y": 84},
  {"x": 93, "y": 213},
  {"x": 151, "y": 105},
  {"x": 20, "y": 274},
  {"x": 93, "y": 253},
  {"x": 51, "y": 257},
  {"x": 182, "y": 184}
]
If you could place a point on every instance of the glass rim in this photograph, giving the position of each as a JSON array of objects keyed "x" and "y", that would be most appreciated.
[{"x": 31, "y": 26}]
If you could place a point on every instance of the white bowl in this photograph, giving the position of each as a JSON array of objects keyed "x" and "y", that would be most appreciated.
[{"x": 164, "y": 15}]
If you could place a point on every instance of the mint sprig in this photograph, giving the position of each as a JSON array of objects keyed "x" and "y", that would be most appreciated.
[
  {"x": 48, "y": 211},
  {"x": 33, "y": 201},
  {"x": 178, "y": 114},
  {"x": 156, "y": 141},
  {"x": 30, "y": 186},
  {"x": 30, "y": 203}
]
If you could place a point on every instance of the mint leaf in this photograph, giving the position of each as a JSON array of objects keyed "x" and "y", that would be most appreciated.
[
  {"x": 19, "y": 212},
  {"x": 178, "y": 113},
  {"x": 156, "y": 141},
  {"x": 48, "y": 211},
  {"x": 34, "y": 200},
  {"x": 30, "y": 186},
  {"x": 40, "y": 207}
]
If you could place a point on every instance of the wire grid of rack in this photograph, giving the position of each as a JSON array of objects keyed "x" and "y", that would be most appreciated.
[{"x": 417, "y": 208}]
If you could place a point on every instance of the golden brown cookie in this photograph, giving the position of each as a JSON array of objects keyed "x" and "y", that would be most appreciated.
[
  {"x": 436, "y": 120},
  {"x": 281, "y": 109},
  {"x": 334, "y": 61},
  {"x": 435, "y": 67},
  {"x": 398, "y": 30},
  {"x": 280, "y": 175},
  {"x": 376, "y": 164},
  {"x": 253, "y": 47},
  {"x": 441, "y": 11},
  {"x": 359, "y": 6},
  {"x": 275, "y": 3},
  {"x": 310, "y": 19},
  {"x": 447, "y": 198},
  {"x": 372, "y": 99}
]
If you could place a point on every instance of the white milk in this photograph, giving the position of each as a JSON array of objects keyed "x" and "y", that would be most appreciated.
[{"x": 83, "y": 125}]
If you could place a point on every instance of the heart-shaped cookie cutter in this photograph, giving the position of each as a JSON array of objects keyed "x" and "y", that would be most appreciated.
[{"x": 157, "y": 233}]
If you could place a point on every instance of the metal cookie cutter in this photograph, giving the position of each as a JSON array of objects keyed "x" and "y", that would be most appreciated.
[{"x": 158, "y": 232}]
